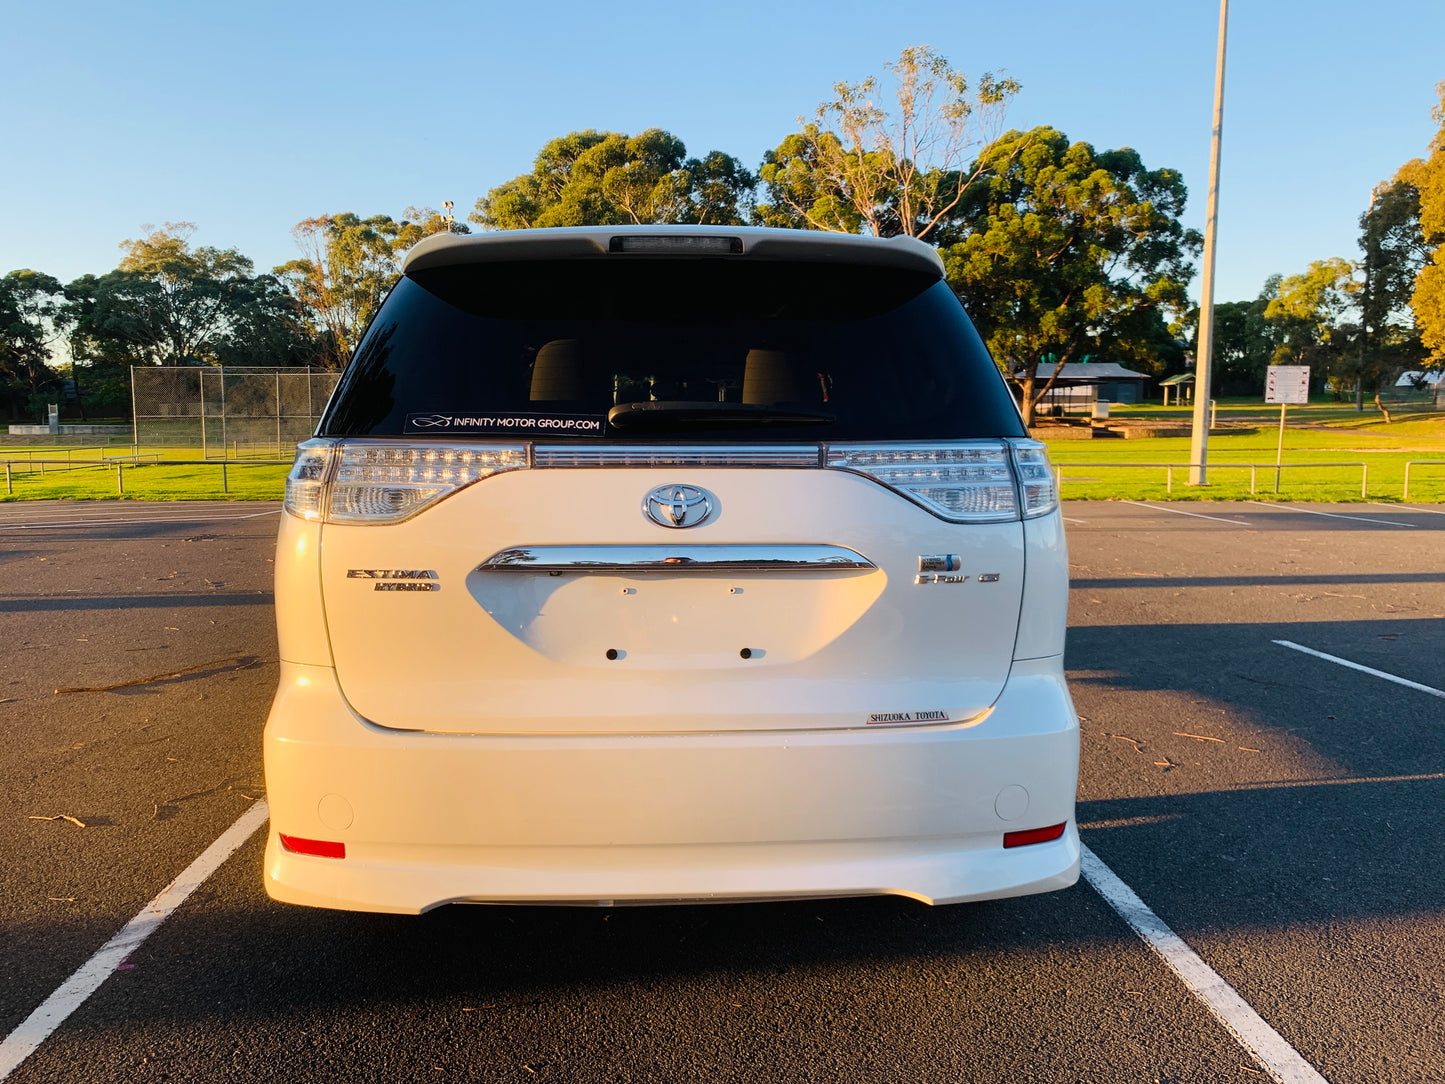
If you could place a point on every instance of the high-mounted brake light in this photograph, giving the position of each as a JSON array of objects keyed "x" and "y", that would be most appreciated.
[
  {"x": 673, "y": 244},
  {"x": 320, "y": 848},
  {"x": 1034, "y": 835}
]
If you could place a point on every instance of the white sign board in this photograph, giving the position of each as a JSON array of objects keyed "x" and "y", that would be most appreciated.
[{"x": 1287, "y": 384}]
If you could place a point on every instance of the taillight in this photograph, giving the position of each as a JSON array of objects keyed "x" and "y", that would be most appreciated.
[
  {"x": 962, "y": 483},
  {"x": 386, "y": 483},
  {"x": 1037, "y": 485},
  {"x": 306, "y": 484},
  {"x": 380, "y": 482}
]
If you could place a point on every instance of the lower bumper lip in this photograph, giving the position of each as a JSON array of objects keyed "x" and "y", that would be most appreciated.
[{"x": 667, "y": 817}]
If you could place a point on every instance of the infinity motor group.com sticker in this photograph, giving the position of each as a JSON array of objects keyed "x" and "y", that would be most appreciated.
[{"x": 505, "y": 423}]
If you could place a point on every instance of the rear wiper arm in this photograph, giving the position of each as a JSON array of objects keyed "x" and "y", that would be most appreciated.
[{"x": 669, "y": 414}]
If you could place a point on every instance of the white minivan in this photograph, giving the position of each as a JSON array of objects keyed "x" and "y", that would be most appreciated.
[{"x": 670, "y": 564}]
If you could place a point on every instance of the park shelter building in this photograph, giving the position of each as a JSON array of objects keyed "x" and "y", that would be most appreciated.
[
  {"x": 1427, "y": 384},
  {"x": 1080, "y": 384},
  {"x": 1182, "y": 385}
]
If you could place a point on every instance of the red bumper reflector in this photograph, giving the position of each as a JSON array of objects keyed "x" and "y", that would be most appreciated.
[
  {"x": 321, "y": 848},
  {"x": 1032, "y": 835}
]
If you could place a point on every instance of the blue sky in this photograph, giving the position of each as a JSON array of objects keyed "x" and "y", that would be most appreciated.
[{"x": 245, "y": 118}]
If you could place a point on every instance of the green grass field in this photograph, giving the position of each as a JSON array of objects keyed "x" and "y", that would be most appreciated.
[
  {"x": 1315, "y": 434},
  {"x": 88, "y": 472}
]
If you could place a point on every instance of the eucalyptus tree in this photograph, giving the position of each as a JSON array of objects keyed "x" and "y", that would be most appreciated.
[
  {"x": 593, "y": 178},
  {"x": 32, "y": 317},
  {"x": 858, "y": 166},
  {"x": 1310, "y": 308},
  {"x": 167, "y": 303},
  {"x": 1394, "y": 253},
  {"x": 1068, "y": 251},
  {"x": 347, "y": 265},
  {"x": 1427, "y": 177},
  {"x": 1244, "y": 342}
]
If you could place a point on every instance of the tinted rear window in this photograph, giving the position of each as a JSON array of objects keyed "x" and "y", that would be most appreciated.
[{"x": 808, "y": 351}]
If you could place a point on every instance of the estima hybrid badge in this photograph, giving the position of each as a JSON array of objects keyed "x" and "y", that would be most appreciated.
[
  {"x": 677, "y": 506},
  {"x": 398, "y": 579}
]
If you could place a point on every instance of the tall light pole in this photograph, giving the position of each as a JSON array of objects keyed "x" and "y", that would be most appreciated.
[{"x": 1199, "y": 437}]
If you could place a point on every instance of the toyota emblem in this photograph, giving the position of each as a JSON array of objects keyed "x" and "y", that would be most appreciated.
[{"x": 677, "y": 506}]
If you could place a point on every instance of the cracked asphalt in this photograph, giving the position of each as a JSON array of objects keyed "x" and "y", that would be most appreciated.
[{"x": 1278, "y": 810}]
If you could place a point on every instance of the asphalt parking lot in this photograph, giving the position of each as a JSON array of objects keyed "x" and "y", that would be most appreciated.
[{"x": 1253, "y": 768}]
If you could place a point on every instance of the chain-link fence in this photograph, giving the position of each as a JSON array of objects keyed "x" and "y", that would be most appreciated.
[{"x": 228, "y": 413}]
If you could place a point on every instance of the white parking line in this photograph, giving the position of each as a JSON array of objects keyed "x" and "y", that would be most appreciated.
[
  {"x": 1362, "y": 669},
  {"x": 74, "y": 509},
  {"x": 71, "y": 994},
  {"x": 1067, "y": 519},
  {"x": 127, "y": 510},
  {"x": 107, "y": 521},
  {"x": 1181, "y": 512},
  {"x": 109, "y": 507},
  {"x": 1410, "y": 508},
  {"x": 1346, "y": 781},
  {"x": 1332, "y": 515},
  {"x": 1275, "y": 1056}
]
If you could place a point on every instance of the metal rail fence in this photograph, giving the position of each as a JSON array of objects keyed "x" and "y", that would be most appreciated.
[
  {"x": 29, "y": 464},
  {"x": 1418, "y": 463},
  {"x": 26, "y": 458},
  {"x": 227, "y": 412},
  {"x": 146, "y": 459},
  {"x": 1253, "y": 468}
]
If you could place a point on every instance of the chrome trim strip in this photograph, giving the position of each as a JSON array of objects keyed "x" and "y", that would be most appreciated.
[
  {"x": 676, "y": 455},
  {"x": 556, "y": 560}
]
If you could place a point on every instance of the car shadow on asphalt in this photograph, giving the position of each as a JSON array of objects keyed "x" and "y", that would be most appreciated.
[
  {"x": 241, "y": 988},
  {"x": 1162, "y": 678}
]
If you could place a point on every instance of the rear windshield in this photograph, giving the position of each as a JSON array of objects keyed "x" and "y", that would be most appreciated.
[{"x": 629, "y": 349}]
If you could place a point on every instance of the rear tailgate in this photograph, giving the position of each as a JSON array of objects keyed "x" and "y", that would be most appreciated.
[{"x": 506, "y": 652}]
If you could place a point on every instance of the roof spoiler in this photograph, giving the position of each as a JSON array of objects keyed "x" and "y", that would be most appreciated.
[{"x": 809, "y": 246}]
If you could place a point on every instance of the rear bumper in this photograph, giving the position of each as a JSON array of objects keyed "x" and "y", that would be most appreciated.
[{"x": 432, "y": 819}]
